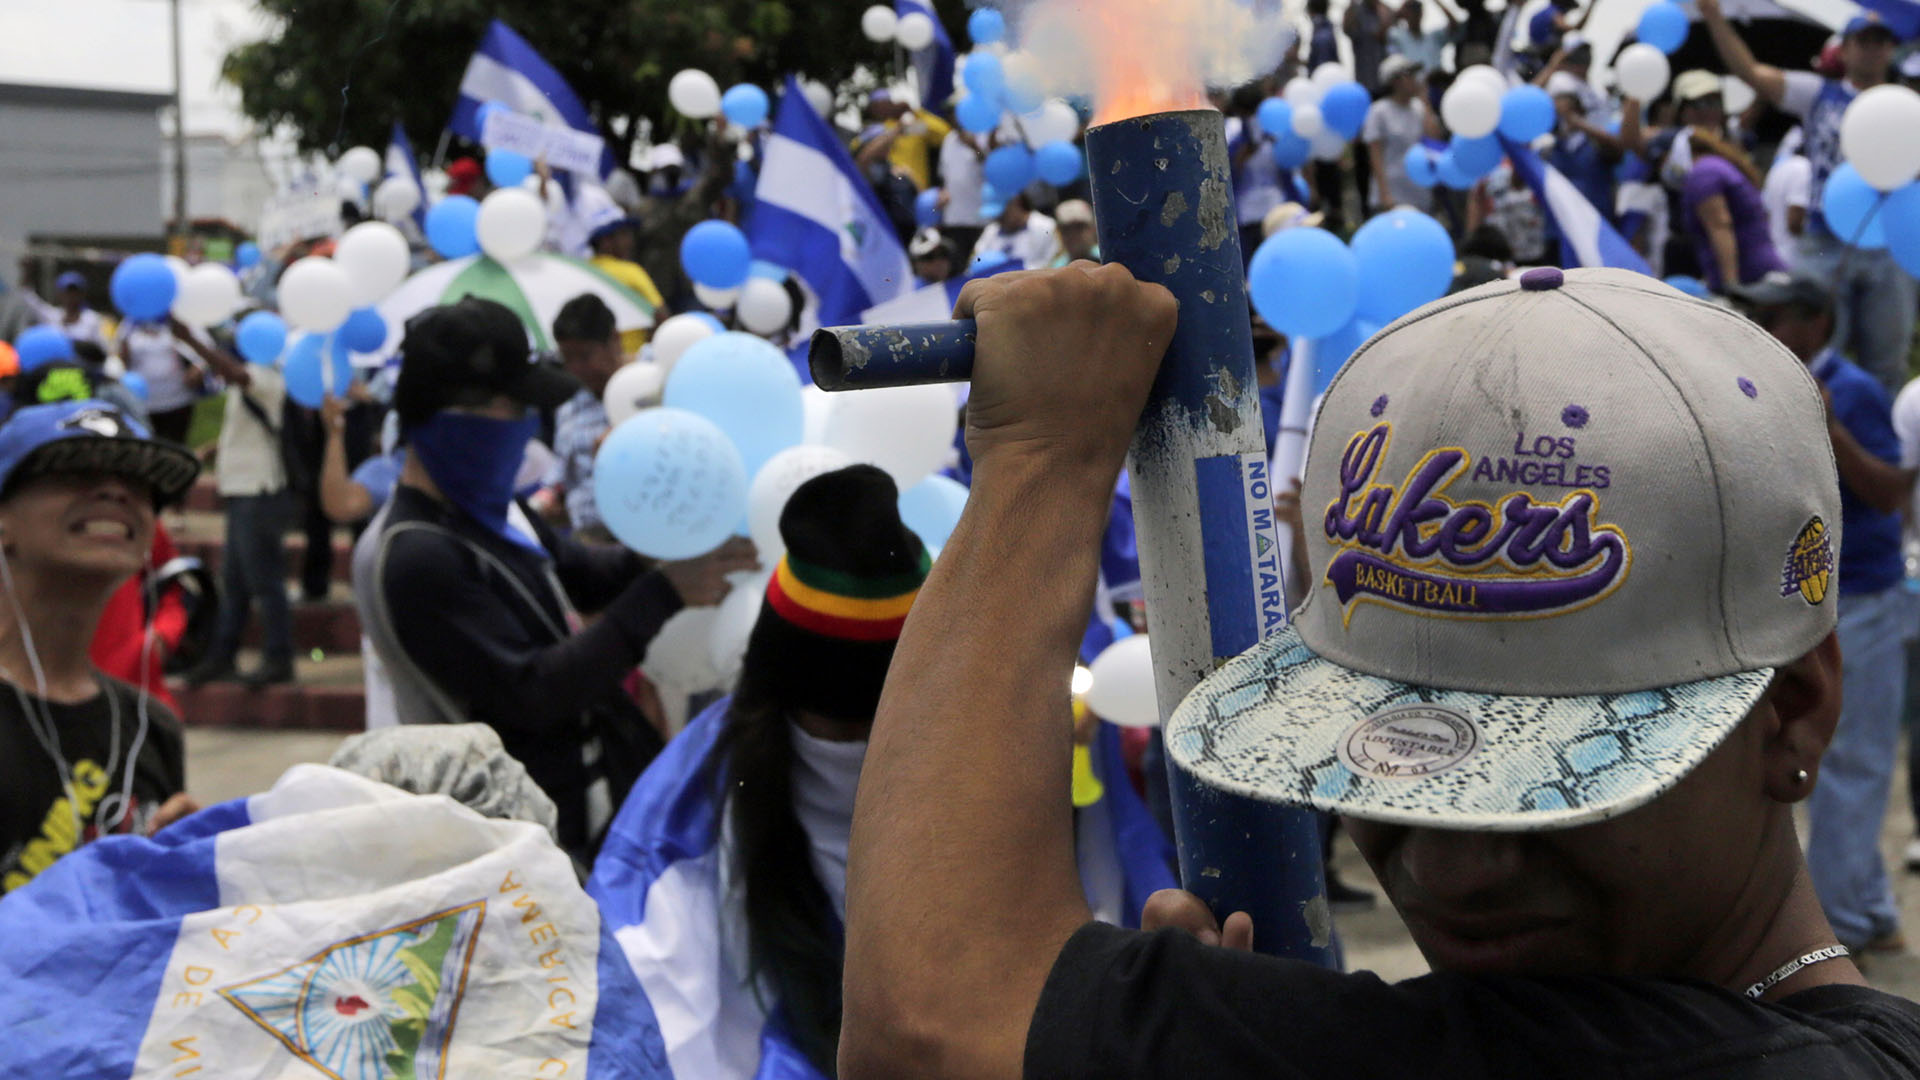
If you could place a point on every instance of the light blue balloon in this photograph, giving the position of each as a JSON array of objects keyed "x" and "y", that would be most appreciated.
[
  {"x": 1526, "y": 113},
  {"x": 364, "y": 331},
  {"x": 926, "y": 208},
  {"x": 1405, "y": 259},
  {"x": 1450, "y": 172},
  {"x": 1663, "y": 26},
  {"x": 1059, "y": 163},
  {"x": 1422, "y": 169},
  {"x": 485, "y": 110},
  {"x": 770, "y": 271},
  {"x": 1690, "y": 285},
  {"x": 507, "y": 168},
  {"x": 450, "y": 226},
  {"x": 1290, "y": 151},
  {"x": 261, "y": 337},
  {"x": 1344, "y": 108},
  {"x": 1332, "y": 352},
  {"x": 747, "y": 388},
  {"x": 143, "y": 287},
  {"x": 710, "y": 319},
  {"x": 932, "y": 507},
  {"x": 247, "y": 255},
  {"x": 305, "y": 371},
  {"x": 745, "y": 104},
  {"x": 136, "y": 385},
  {"x": 716, "y": 255},
  {"x": 1851, "y": 208},
  {"x": 38, "y": 346},
  {"x": 977, "y": 114},
  {"x": 1476, "y": 157},
  {"x": 986, "y": 26},
  {"x": 668, "y": 484},
  {"x": 1304, "y": 282},
  {"x": 1900, "y": 218},
  {"x": 984, "y": 74},
  {"x": 1010, "y": 168},
  {"x": 1275, "y": 116}
]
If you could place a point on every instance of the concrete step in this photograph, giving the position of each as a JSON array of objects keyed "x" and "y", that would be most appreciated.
[
  {"x": 203, "y": 497},
  {"x": 329, "y": 626},
  {"x": 329, "y": 695}
]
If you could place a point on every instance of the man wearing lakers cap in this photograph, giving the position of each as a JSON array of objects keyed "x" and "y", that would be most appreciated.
[{"x": 1567, "y": 663}]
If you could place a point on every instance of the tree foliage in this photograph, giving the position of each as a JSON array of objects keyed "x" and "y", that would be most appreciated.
[{"x": 339, "y": 72}]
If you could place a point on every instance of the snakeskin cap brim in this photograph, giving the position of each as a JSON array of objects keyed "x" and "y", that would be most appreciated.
[{"x": 1282, "y": 724}]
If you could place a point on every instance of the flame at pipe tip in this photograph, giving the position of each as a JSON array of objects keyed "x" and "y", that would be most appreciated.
[{"x": 1134, "y": 57}]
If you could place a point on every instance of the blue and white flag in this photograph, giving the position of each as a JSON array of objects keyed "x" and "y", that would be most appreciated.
[
  {"x": 933, "y": 65},
  {"x": 333, "y": 926},
  {"x": 931, "y": 303},
  {"x": 1585, "y": 237},
  {"x": 402, "y": 163},
  {"x": 507, "y": 70},
  {"x": 663, "y": 884},
  {"x": 1901, "y": 16},
  {"x": 814, "y": 214}
]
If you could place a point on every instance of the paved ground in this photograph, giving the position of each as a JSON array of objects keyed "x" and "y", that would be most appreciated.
[{"x": 227, "y": 763}]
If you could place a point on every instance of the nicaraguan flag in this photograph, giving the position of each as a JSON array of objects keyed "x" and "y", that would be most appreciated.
[
  {"x": 1901, "y": 16},
  {"x": 401, "y": 162},
  {"x": 931, "y": 303},
  {"x": 506, "y": 69},
  {"x": 333, "y": 926},
  {"x": 663, "y": 885},
  {"x": 1585, "y": 237},
  {"x": 933, "y": 65},
  {"x": 814, "y": 214}
]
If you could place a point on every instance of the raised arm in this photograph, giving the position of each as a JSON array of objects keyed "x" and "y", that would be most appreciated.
[
  {"x": 1767, "y": 81},
  {"x": 961, "y": 881}
]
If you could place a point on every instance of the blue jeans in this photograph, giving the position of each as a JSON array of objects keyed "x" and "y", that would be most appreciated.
[
  {"x": 254, "y": 567},
  {"x": 1849, "y": 803},
  {"x": 1873, "y": 304}
]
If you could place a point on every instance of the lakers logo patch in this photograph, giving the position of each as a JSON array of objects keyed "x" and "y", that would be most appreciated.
[{"x": 1809, "y": 567}]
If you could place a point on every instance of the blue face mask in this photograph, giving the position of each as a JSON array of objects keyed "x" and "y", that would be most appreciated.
[{"x": 473, "y": 460}]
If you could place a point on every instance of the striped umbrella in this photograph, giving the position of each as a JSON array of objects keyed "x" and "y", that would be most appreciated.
[{"x": 534, "y": 288}]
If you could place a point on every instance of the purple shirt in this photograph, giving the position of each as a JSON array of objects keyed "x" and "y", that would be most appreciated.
[{"x": 1713, "y": 175}]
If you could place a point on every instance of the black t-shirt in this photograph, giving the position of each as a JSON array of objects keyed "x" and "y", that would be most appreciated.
[
  {"x": 36, "y": 816},
  {"x": 1124, "y": 1003}
]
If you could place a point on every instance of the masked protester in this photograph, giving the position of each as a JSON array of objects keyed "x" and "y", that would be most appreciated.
[{"x": 473, "y": 604}]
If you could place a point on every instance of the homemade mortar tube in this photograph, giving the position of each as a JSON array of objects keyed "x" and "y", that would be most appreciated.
[{"x": 1202, "y": 495}]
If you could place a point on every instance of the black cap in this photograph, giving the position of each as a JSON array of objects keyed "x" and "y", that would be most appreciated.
[
  {"x": 1782, "y": 287},
  {"x": 463, "y": 353}
]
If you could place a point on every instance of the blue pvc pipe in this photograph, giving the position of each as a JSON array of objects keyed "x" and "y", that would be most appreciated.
[{"x": 862, "y": 357}]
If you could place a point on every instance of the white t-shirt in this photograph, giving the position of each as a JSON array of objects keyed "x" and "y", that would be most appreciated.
[
  {"x": 249, "y": 461},
  {"x": 155, "y": 356},
  {"x": 1789, "y": 184},
  {"x": 86, "y": 327},
  {"x": 965, "y": 174},
  {"x": 1033, "y": 247},
  {"x": 1256, "y": 184},
  {"x": 1398, "y": 128}
]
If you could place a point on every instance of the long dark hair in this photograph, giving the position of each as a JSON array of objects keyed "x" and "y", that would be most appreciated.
[{"x": 793, "y": 939}]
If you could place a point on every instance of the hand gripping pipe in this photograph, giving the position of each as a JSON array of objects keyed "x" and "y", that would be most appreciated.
[{"x": 1202, "y": 497}]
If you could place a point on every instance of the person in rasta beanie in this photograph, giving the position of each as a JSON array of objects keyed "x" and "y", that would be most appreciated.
[
  {"x": 724, "y": 875},
  {"x": 471, "y": 602}
]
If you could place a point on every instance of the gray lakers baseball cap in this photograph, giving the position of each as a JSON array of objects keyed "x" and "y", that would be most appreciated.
[{"x": 1560, "y": 533}]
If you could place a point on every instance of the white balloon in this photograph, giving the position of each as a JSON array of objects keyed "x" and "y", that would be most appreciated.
[
  {"x": 208, "y": 295},
  {"x": 764, "y": 306},
  {"x": 879, "y": 23},
  {"x": 511, "y": 225},
  {"x": 397, "y": 197},
  {"x": 316, "y": 295},
  {"x": 636, "y": 385},
  {"x": 1328, "y": 145},
  {"x": 674, "y": 337},
  {"x": 376, "y": 259},
  {"x": 679, "y": 655},
  {"x": 1471, "y": 109},
  {"x": 816, "y": 405},
  {"x": 1053, "y": 121},
  {"x": 906, "y": 430},
  {"x": 915, "y": 31},
  {"x": 179, "y": 266},
  {"x": 1880, "y": 134},
  {"x": 1122, "y": 691},
  {"x": 1487, "y": 74},
  {"x": 733, "y": 624},
  {"x": 1301, "y": 91},
  {"x": 715, "y": 299},
  {"x": 818, "y": 96},
  {"x": 362, "y": 164},
  {"x": 1307, "y": 121},
  {"x": 1642, "y": 71},
  {"x": 694, "y": 94},
  {"x": 774, "y": 484},
  {"x": 1329, "y": 75},
  {"x": 1735, "y": 95}
]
